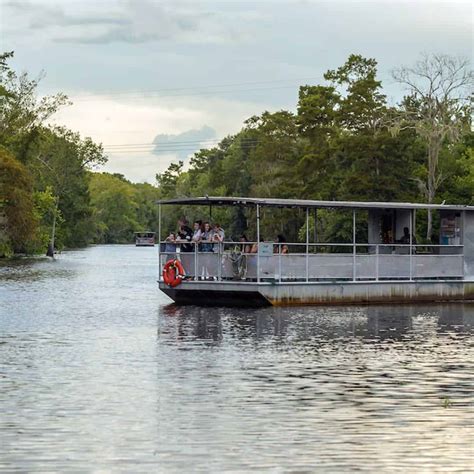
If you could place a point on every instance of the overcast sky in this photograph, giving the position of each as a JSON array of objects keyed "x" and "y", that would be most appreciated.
[{"x": 159, "y": 77}]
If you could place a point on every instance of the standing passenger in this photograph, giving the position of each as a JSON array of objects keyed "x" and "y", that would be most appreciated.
[
  {"x": 197, "y": 232},
  {"x": 206, "y": 238},
  {"x": 185, "y": 234},
  {"x": 406, "y": 238},
  {"x": 218, "y": 236},
  {"x": 206, "y": 246},
  {"x": 170, "y": 245}
]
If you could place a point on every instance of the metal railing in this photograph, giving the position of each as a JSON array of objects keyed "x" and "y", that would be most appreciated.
[{"x": 267, "y": 261}]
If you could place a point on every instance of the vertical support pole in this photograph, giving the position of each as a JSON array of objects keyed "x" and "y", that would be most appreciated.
[
  {"x": 411, "y": 244},
  {"x": 219, "y": 260},
  {"x": 315, "y": 225},
  {"x": 463, "y": 226},
  {"x": 307, "y": 244},
  {"x": 279, "y": 263},
  {"x": 258, "y": 243},
  {"x": 196, "y": 274},
  {"x": 159, "y": 242},
  {"x": 376, "y": 262},
  {"x": 354, "y": 248},
  {"x": 414, "y": 224},
  {"x": 413, "y": 234}
]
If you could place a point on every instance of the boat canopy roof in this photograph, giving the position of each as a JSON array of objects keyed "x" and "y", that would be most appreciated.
[{"x": 301, "y": 203}]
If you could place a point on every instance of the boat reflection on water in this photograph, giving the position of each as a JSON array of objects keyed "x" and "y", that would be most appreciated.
[{"x": 369, "y": 324}]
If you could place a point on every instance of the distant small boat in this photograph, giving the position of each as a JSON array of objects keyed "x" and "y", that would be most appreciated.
[{"x": 144, "y": 239}]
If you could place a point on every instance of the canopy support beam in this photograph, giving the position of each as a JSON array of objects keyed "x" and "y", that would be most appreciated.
[
  {"x": 307, "y": 244},
  {"x": 411, "y": 244},
  {"x": 258, "y": 243},
  {"x": 159, "y": 242},
  {"x": 354, "y": 246}
]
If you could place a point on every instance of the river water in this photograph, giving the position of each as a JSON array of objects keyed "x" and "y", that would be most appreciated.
[{"x": 98, "y": 372}]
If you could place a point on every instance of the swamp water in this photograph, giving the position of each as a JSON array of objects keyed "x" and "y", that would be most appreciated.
[{"x": 99, "y": 372}]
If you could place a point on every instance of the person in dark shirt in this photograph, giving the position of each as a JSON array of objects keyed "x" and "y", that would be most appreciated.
[
  {"x": 185, "y": 235},
  {"x": 406, "y": 237}
]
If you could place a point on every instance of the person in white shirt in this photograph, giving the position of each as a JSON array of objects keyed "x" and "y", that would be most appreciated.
[
  {"x": 197, "y": 232},
  {"x": 218, "y": 236}
]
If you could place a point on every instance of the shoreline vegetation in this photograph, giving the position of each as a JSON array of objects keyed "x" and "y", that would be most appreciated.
[{"x": 344, "y": 141}]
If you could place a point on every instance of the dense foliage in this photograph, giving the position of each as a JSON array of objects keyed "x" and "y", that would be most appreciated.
[
  {"x": 121, "y": 208},
  {"x": 342, "y": 142},
  {"x": 44, "y": 192}
]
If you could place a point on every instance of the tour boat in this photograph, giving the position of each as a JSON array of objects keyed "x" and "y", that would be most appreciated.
[
  {"x": 144, "y": 239},
  {"x": 389, "y": 266}
]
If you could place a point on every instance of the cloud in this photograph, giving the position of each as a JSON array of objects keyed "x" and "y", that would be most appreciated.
[
  {"x": 145, "y": 21},
  {"x": 128, "y": 129},
  {"x": 42, "y": 15},
  {"x": 183, "y": 144},
  {"x": 124, "y": 21}
]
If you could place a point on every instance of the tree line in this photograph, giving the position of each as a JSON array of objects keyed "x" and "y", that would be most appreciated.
[
  {"x": 344, "y": 141},
  {"x": 51, "y": 196}
]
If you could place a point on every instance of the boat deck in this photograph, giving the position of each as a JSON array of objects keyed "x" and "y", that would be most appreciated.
[{"x": 388, "y": 266}]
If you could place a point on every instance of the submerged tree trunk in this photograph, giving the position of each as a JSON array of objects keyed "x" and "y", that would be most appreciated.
[{"x": 50, "y": 251}]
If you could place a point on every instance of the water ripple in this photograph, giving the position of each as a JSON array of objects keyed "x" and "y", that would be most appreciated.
[{"x": 99, "y": 372}]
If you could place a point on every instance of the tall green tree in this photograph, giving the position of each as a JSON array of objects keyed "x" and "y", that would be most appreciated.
[
  {"x": 56, "y": 159},
  {"x": 115, "y": 208},
  {"x": 18, "y": 221},
  {"x": 61, "y": 160}
]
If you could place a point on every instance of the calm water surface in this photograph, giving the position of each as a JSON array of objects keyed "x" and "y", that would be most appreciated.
[{"x": 99, "y": 372}]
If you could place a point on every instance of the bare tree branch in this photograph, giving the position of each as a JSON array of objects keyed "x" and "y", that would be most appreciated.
[{"x": 436, "y": 108}]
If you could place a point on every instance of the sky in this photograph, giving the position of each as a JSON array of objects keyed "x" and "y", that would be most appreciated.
[{"x": 154, "y": 81}]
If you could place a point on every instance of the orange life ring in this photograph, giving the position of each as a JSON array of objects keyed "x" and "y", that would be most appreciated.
[{"x": 173, "y": 273}]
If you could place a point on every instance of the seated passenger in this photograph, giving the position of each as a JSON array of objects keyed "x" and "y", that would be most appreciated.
[
  {"x": 254, "y": 248},
  {"x": 245, "y": 248},
  {"x": 282, "y": 245}
]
